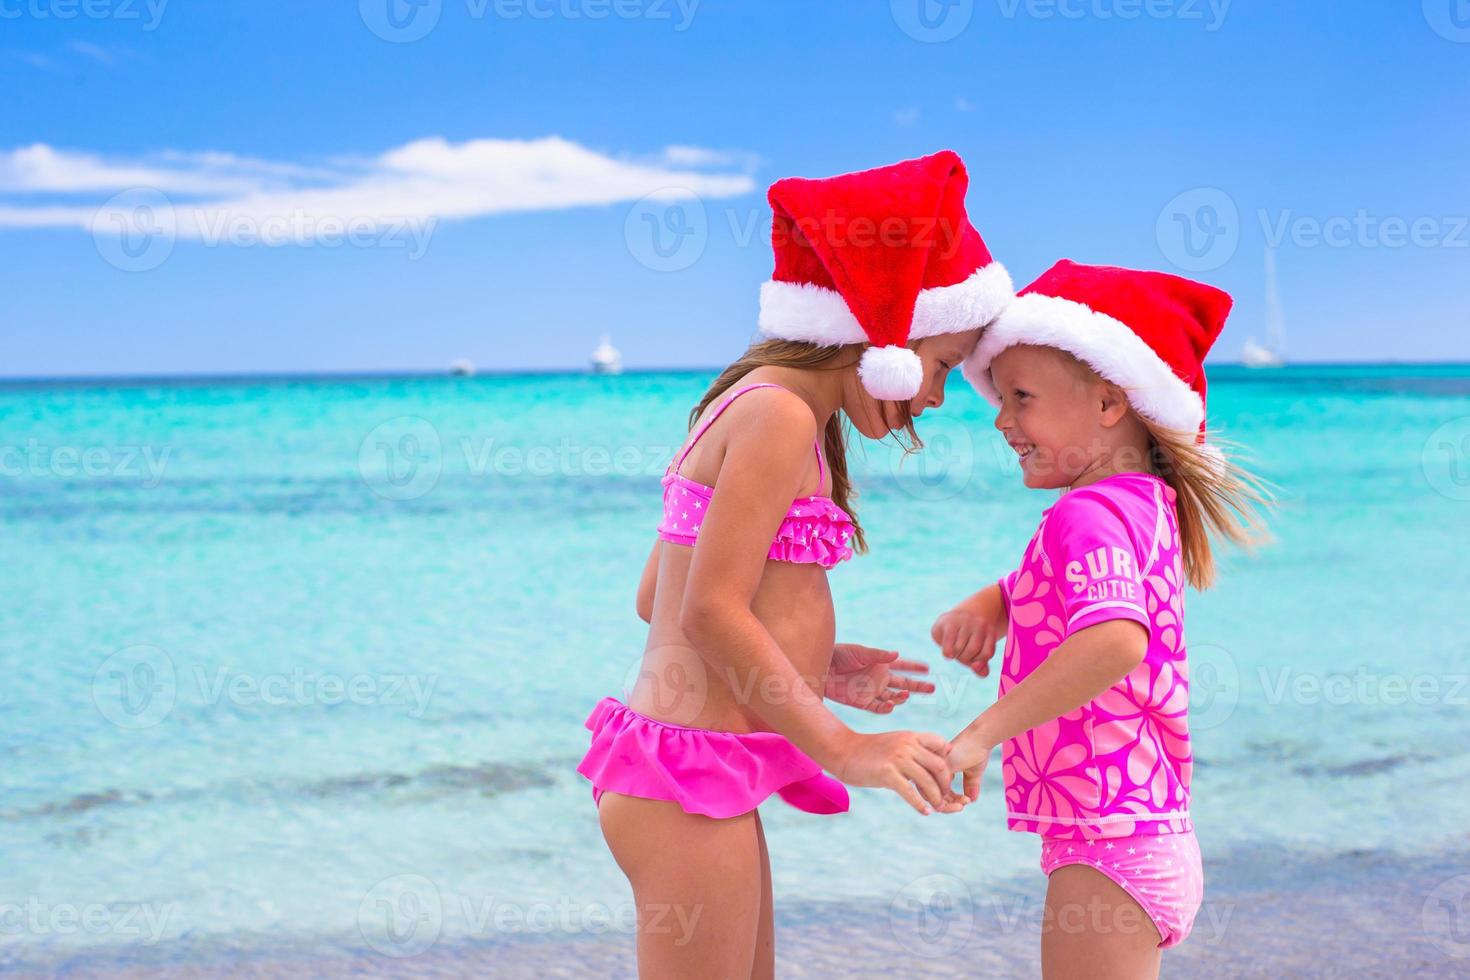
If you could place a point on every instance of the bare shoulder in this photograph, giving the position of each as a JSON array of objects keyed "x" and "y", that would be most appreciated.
[{"x": 774, "y": 419}]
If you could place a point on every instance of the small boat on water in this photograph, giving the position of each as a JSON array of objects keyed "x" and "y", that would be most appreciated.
[
  {"x": 606, "y": 359},
  {"x": 1271, "y": 354},
  {"x": 462, "y": 368},
  {"x": 1253, "y": 355}
]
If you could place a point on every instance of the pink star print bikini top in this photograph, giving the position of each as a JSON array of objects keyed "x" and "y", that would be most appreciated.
[{"x": 814, "y": 531}]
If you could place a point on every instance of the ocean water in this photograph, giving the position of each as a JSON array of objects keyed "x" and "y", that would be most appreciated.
[{"x": 302, "y": 665}]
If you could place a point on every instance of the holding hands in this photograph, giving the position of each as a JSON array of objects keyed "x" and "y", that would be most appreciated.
[
  {"x": 968, "y": 634},
  {"x": 919, "y": 767}
]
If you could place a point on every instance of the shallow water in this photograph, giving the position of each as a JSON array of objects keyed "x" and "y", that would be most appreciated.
[{"x": 287, "y": 659}]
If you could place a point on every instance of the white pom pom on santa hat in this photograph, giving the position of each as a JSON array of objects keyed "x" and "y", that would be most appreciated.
[
  {"x": 891, "y": 373},
  {"x": 836, "y": 283}
]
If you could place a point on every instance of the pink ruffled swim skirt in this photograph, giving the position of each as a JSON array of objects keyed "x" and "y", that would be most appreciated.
[{"x": 716, "y": 774}]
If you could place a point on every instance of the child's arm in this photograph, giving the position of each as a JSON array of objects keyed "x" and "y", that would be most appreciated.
[
  {"x": 648, "y": 585},
  {"x": 765, "y": 462},
  {"x": 968, "y": 632},
  {"x": 1085, "y": 665}
]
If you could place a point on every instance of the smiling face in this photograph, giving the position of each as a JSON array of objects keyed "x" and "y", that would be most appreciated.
[
  {"x": 1069, "y": 426},
  {"x": 939, "y": 355}
]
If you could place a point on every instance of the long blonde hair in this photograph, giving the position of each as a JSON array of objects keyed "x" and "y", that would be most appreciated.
[
  {"x": 1214, "y": 496},
  {"x": 810, "y": 357}
]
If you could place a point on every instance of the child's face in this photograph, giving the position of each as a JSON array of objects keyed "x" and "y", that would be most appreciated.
[
  {"x": 1053, "y": 412},
  {"x": 939, "y": 355}
]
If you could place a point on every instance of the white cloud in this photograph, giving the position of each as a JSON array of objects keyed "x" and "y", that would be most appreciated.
[
  {"x": 39, "y": 168},
  {"x": 425, "y": 180},
  {"x": 906, "y": 117},
  {"x": 963, "y": 104},
  {"x": 94, "y": 51}
]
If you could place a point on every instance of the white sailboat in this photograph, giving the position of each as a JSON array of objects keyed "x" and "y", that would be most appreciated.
[
  {"x": 1273, "y": 353},
  {"x": 606, "y": 359}
]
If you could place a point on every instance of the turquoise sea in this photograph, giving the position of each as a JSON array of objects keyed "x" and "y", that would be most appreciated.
[{"x": 295, "y": 673}]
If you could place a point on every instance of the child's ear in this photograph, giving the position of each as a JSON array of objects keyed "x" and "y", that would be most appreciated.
[{"x": 1113, "y": 403}]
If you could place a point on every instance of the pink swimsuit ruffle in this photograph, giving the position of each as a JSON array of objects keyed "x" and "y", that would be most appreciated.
[
  {"x": 815, "y": 530},
  {"x": 716, "y": 774},
  {"x": 816, "y": 537}
]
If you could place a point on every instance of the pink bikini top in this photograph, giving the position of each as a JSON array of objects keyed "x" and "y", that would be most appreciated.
[{"x": 815, "y": 530}]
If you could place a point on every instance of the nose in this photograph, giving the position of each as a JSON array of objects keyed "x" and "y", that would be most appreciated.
[{"x": 1001, "y": 422}]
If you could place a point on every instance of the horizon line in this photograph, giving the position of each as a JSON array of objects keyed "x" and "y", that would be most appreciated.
[{"x": 416, "y": 374}]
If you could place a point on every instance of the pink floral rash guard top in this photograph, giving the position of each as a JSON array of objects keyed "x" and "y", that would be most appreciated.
[{"x": 1119, "y": 765}]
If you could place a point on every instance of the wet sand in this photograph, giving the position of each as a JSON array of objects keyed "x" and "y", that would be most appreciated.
[{"x": 1360, "y": 914}]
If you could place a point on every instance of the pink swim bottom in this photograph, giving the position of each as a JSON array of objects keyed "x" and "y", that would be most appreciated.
[
  {"x": 1162, "y": 873},
  {"x": 716, "y": 774}
]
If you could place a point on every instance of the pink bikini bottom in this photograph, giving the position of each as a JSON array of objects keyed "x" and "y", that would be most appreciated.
[
  {"x": 1162, "y": 873},
  {"x": 716, "y": 774}
]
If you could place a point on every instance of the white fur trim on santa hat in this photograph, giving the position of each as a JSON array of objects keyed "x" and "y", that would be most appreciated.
[
  {"x": 817, "y": 315},
  {"x": 893, "y": 374},
  {"x": 1105, "y": 344}
]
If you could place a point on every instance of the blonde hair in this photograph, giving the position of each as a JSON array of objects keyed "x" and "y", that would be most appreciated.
[
  {"x": 1214, "y": 496},
  {"x": 810, "y": 357}
]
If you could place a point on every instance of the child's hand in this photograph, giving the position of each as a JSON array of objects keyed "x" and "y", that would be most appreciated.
[
  {"x": 912, "y": 764},
  {"x": 969, "y": 754},
  {"x": 873, "y": 680},
  {"x": 968, "y": 637}
]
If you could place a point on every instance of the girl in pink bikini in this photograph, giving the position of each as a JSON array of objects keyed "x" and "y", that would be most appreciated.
[
  {"x": 1098, "y": 377},
  {"x": 881, "y": 287}
]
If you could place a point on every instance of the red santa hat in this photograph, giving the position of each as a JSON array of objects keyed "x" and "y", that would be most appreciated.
[
  {"x": 883, "y": 256},
  {"x": 1147, "y": 332}
]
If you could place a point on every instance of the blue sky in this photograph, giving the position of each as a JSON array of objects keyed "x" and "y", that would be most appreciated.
[{"x": 1100, "y": 130}]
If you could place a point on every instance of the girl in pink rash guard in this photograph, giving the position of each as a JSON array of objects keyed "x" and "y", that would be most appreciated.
[{"x": 1097, "y": 374}]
